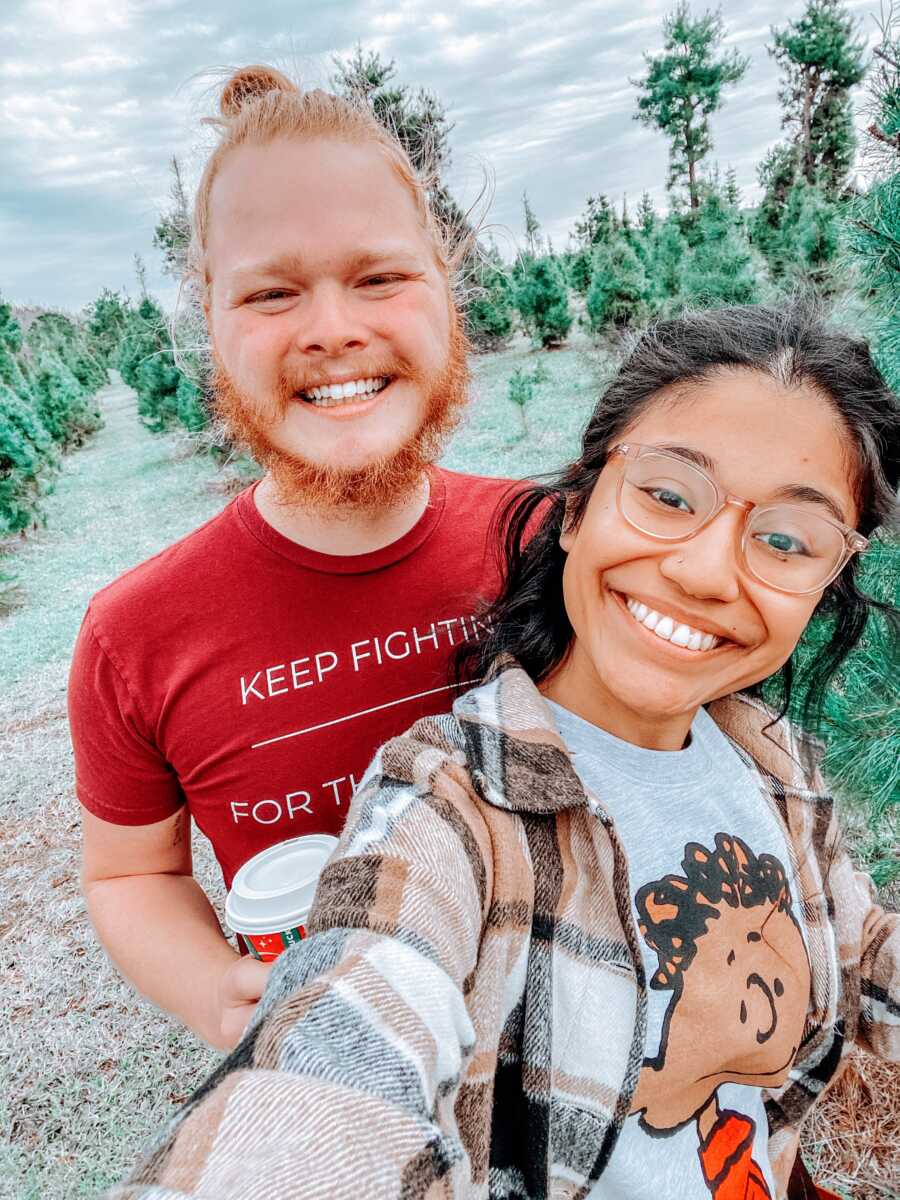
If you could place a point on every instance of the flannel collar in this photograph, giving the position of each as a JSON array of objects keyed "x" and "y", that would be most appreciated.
[{"x": 519, "y": 762}]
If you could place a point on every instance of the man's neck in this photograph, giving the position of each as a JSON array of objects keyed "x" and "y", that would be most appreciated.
[{"x": 341, "y": 533}]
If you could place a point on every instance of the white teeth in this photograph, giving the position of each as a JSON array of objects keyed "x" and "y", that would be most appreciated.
[
  {"x": 676, "y": 633},
  {"x": 328, "y": 395},
  {"x": 665, "y": 627}
]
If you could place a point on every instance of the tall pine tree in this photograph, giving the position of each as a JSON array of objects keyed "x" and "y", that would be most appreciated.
[
  {"x": 417, "y": 118},
  {"x": 821, "y": 59},
  {"x": 683, "y": 88}
]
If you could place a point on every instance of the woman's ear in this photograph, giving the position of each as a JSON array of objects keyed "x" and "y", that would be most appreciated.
[{"x": 569, "y": 528}]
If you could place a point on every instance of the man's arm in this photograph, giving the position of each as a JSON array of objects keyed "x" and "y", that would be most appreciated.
[{"x": 156, "y": 924}]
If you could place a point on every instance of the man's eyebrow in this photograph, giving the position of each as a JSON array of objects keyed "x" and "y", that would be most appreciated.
[
  {"x": 294, "y": 264},
  {"x": 801, "y": 493}
]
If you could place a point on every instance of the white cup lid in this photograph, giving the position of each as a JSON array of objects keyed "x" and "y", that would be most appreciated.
[{"x": 274, "y": 890}]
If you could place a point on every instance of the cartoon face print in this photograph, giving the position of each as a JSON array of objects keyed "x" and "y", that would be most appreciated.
[{"x": 732, "y": 954}]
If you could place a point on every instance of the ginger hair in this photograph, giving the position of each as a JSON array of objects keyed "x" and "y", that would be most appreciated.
[{"x": 259, "y": 105}]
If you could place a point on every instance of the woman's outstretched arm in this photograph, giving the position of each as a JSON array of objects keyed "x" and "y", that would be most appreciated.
[{"x": 347, "y": 1082}]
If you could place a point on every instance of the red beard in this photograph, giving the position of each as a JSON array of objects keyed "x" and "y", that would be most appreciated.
[{"x": 380, "y": 484}]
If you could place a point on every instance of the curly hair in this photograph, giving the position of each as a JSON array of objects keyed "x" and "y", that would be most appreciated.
[{"x": 674, "y": 911}]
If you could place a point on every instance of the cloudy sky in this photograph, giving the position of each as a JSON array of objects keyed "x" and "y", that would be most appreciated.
[{"x": 97, "y": 95}]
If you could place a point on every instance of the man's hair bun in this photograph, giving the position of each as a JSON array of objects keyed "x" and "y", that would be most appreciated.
[{"x": 247, "y": 84}]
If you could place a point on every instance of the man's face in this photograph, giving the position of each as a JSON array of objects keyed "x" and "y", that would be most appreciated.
[{"x": 322, "y": 279}]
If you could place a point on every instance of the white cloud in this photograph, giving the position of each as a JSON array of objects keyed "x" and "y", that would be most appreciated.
[{"x": 97, "y": 95}]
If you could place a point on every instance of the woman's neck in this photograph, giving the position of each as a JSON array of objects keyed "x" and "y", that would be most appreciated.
[{"x": 589, "y": 699}]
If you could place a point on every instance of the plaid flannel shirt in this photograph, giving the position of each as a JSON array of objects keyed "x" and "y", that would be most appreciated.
[{"x": 467, "y": 1018}]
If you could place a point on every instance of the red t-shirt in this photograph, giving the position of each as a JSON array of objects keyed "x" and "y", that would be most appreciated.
[{"x": 253, "y": 679}]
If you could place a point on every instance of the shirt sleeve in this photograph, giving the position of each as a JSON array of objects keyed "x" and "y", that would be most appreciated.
[
  {"x": 350, "y": 1077},
  {"x": 121, "y": 774}
]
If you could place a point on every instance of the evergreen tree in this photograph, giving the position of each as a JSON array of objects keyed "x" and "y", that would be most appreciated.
[
  {"x": 683, "y": 87},
  {"x": 597, "y": 223},
  {"x": 731, "y": 191},
  {"x": 669, "y": 252},
  {"x": 147, "y": 364},
  {"x": 417, "y": 119},
  {"x": 619, "y": 294},
  {"x": 646, "y": 216},
  {"x": 821, "y": 59},
  {"x": 106, "y": 319},
  {"x": 777, "y": 173},
  {"x": 533, "y": 238},
  {"x": 489, "y": 311},
  {"x": 173, "y": 230},
  {"x": 720, "y": 269},
  {"x": 541, "y": 296},
  {"x": 597, "y": 226},
  {"x": 874, "y": 228}
]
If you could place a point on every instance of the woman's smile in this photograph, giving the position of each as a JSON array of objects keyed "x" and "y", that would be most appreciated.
[{"x": 693, "y": 637}]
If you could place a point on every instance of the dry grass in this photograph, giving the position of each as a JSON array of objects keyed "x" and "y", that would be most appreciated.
[
  {"x": 852, "y": 1139},
  {"x": 87, "y": 1069}
]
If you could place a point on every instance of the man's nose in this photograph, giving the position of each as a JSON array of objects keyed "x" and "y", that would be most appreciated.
[
  {"x": 330, "y": 324},
  {"x": 708, "y": 564}
]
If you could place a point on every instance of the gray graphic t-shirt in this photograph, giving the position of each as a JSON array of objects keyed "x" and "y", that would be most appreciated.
[{"x": 714, "y": 897}]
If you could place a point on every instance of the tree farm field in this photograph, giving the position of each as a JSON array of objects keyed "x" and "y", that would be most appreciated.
[{"x": 90, "y": 1070}]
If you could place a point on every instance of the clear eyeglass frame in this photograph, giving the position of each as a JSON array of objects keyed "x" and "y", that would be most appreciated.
[{"x": 854, "y": 542}]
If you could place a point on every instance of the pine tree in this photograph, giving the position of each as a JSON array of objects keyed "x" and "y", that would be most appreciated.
[
  {"x": 731, "y": 191},
  {"x": 173, "y": 230},
  {"x": 777, "y": 173},
  {"x": 821, "y": 59},
  {"x": 598, "y": 222},
  {"x": 874, "y": 228},
  {"x": 669, "y": 252},
  {"x": 683, "y": 87},
  {"x": 489, "y": 310},
  {"x": 646, "y": 215},
  {"x": 105, "y": 320},
  {"x": 417, "y": 119},
  {"x": 720, "y": 269},
  {"x": 534, "y": 242},
  {"x": 541, "y": 296},
  {"x": 597, "y": 226},
  {"x": 619, "y": 294}
]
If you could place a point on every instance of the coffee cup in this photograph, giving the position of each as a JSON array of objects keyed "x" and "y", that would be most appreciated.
[{"x": 272, "y": 893}]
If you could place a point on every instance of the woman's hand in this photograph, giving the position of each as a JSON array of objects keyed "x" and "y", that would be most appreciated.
[{"x": 240, "y": 987}]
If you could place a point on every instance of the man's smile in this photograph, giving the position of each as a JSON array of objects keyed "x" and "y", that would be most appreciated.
[{"x": 332, "y": 394}]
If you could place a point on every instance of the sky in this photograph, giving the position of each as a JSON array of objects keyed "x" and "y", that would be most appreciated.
[{"x": 96, "y": 96}]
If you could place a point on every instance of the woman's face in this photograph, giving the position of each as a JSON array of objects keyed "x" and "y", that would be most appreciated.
[{"x": 619, "y": 674}]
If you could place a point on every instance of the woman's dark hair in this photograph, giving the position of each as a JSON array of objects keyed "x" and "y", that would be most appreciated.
[{"x": 793, "y": 345}]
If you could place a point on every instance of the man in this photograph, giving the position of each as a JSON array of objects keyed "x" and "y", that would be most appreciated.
[{"x": 245, "y": 676}]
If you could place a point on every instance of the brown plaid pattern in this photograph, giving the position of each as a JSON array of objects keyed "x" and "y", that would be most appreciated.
[{"x": 468, "y": 1017}]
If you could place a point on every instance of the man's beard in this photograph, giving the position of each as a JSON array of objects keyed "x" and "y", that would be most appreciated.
[{"x": 380, "y": 484}]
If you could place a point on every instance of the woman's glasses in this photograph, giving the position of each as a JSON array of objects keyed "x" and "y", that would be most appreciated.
[{"x": 790, "y": 547}]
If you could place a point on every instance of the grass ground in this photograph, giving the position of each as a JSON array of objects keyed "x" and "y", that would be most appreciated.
[{"x": 88, "y": 1069}]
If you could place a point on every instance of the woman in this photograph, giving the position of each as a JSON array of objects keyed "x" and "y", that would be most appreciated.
[{"x": 593, "y": 934}]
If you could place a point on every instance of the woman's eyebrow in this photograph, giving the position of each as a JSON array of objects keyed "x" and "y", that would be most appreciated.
[
  {"x": 810, "y": 495},
  {"x": 799, "y": 492},
  {"x": 694, "y": 456}
]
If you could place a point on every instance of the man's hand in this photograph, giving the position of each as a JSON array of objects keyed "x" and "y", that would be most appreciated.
[{"x": 240, "y": 987}]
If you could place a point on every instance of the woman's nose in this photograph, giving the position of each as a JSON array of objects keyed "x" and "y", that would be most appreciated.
[{"x": 707, "y": 565}]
